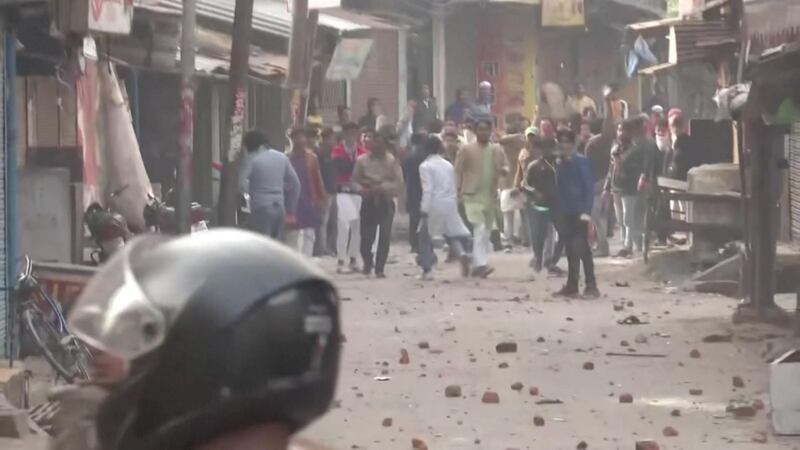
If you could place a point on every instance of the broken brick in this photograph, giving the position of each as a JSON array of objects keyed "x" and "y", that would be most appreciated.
[
  {"x": 743, "y": 411},
  {"x": 670, "y": 432},
  {"x": 516, "y": 386},
  {"x": 538, "y": 421},
  {"x": 758, "y": 404},
  {"x": 533, "y": 390},
  {"x": 582, "y": 445},
  {"x": 738, "y": 382},
  {"x": 387, "y": 422},
  {"x": 404, "y": 358},
  {"x": 588, "y": 366},
  {"x": 418, "y": 444},
  {"x": 502, "y": 365},
  {"x": 695, "y": 392},
  {"x": 647, "y": 445},
  {"x": 626, "y": 398},
  {"x": 490, "y": 397},
  {"x": 695, "y": 354},
  {"x": 675, "y": 413},
  {"x": 424, "y": 345}
]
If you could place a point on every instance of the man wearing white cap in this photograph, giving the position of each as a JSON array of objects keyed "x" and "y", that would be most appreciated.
[{"x": 482, "y": 108}]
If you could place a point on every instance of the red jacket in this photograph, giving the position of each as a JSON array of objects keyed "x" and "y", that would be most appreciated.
[{"x": 344, "y": 163}]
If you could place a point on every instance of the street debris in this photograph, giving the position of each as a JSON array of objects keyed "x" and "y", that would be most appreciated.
[
  {"x": 452, "y": 391},
  {"x": 418, "y": 444},
  {"x": 718, "y": 338},
  {"x": 382, "y": 378},
  {"x": 534, "y": 391},
  {"x": 738, "y": 382},
  {"x": 582, "y": 445},
  {"x": 387, "y": 422},
  {"x": 632, "y": 320},
  {"x": 424, "y": 345},
  {"x": 517, "y": 386},
  {"x": 622, "y": 284},
  {"x": 675, "y": 413},
  {"x": 506, "y": 347},
  {"x": 647, "y": 445},
  {"x": 490, "y": 397},
  {"x": 626, "y": 398},
  {"x": 502, "y": 365},
  {"x": 637, "y": 355},
  {"x": 588, "y": 366},
  {"x": 538, "y": 421},
  {"x": 640, "y": 339},
  {"x": 695, "y": 392},
  {"x": 741, "y": 411},
  {"x": 694, "y": 354},
  {"x": 549, "y": 401}
]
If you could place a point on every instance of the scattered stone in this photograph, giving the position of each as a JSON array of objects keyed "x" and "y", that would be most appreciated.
[
  {"x": 418, "y": 444},
  {"x": 533, "y": 390},
  {"x": 626, "y": 398},
  {"x": 479, "y": 309},
  {"x": 452, "y": 391},
  {"x": 641, "y": 339},
  {"x": 490, "y": 397},
  {"x": 647, "y": 445},
  {"x": 624, "y": 343},
  {"x": 387, "y": 422},
  {"x": 506, "y": 347},
  {"x": 670, "y": 432},
  {"x": 630, "y": 304},
  {"x": 738, "y": 382},
  {"x": 516, "y": 386},
  {"x": 619, "y": 307},
  {"x": 540, "y": 339},
  {"x": 694, "y": 354},
  {"x": 588, "y": 366},
  {"x": 424, "y": 345},
  {"x": 622, "y": 284},
  {"x": 502, "y": 365},
  {"x": 538, "y": 421},
  {"x": 582, "y": 445},
  {"x": 404, "y": 358},
  {"x": 758, "y": 405},
  {"x": 449, "y": 329},
  {"x": 570, "y": 319},
  {"x": 675, "y": 413},
  {"x": 549, "y": 401},
  {"x": 695, "y": 392}
]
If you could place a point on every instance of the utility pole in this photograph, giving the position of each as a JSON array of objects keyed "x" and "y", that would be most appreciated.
[
  {"x": 186, "y": 131},
  {"x": 240, "y": 59},
  {"x": 296, "y": 83}
]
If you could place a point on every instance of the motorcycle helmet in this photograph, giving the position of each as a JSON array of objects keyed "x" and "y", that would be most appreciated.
[{"x": 224, "y": 330}]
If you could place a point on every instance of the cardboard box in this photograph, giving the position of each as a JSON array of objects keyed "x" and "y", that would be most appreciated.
[{"x": 784, "y": 393}]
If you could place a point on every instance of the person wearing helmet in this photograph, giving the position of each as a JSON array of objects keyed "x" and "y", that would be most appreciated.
[{"x": 220, "y": 355}]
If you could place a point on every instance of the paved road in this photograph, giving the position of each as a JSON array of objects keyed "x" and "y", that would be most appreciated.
[{"x": 463, "y": 321}]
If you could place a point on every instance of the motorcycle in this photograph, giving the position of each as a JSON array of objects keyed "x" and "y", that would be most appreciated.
[
  {"x": 108, "y": 228},
  {"x": 159, "y": 216}
]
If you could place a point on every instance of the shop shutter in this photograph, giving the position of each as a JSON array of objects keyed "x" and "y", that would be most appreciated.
[{"x": 794, "y": 182}]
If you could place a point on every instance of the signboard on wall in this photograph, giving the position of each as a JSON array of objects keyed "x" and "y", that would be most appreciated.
[
  {"x": 96, "y": 16},
  {"x": 563, "y": 13},
  {"x": 348, "y": 59}
]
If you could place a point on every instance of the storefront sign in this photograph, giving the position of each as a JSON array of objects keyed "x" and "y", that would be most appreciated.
[
  {"x": 348, "y": 59},
  {"x": 110, "y": 16},
  {"x": 562, "y": 13}
]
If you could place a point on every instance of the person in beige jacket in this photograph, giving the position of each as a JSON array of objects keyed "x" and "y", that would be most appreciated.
[{"x": 479, "y": 168}]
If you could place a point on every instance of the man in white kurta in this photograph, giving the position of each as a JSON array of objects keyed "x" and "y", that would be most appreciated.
[{"x": 439, "y": 208}]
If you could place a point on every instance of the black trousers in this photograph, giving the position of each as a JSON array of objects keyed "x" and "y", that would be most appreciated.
[
  {"x": 576, "y": 242},
  {"x": 559, "y": 223},
  {"x": 376, "y": 215},
  {"x": 413, "y": 229}
]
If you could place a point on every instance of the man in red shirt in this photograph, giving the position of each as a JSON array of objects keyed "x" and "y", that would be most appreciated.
[{"x": 348, "y": 200}]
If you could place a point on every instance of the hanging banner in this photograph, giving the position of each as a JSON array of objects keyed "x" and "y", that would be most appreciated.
[
  {"x": 348, "y": 59},
  {"x": 563, "y": 13}
]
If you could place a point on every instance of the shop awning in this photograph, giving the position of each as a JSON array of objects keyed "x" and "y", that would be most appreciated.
[{"x": 269, "y": 16}]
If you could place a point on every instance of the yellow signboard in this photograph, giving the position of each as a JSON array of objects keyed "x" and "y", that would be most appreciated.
[{"x": 562, "y": 13}]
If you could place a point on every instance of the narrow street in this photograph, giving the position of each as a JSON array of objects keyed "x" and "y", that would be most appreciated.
[{"x": 451, "y": 327}]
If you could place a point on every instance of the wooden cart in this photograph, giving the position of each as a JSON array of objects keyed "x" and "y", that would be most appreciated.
[{"x": 662, "y": 219}]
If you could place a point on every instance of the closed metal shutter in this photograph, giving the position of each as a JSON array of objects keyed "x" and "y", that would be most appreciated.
[{"x": 794, "y": 182}]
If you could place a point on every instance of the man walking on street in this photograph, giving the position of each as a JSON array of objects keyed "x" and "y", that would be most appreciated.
[
  {"x": 623, "y": 181},
  {"x": 380, "y": 178},
  {"x": 308, "y": 216},
  {"x": 479, "y": 167},
  {"x": 598, "y": 150},
  {"x": 575, "y": 196},
  {"x": 512, "y": 202},
  {"x": 323, "y": 245},
  {"x": 348, "y": 200},
  {"x": 539, "y": 184},
  {"x": 439, "y": 207},
  {"x": 413, "y": 185},
  {"x": 268, "y": 177}
]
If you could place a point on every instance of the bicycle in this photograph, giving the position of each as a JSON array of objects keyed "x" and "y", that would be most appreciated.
[{"x": 43, "y": 319}]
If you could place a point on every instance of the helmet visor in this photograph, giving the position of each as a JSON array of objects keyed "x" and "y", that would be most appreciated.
[{"x": 113, "y": 313}]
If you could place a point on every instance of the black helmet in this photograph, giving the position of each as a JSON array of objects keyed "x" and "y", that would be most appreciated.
[{"x": 224, "y": 330}]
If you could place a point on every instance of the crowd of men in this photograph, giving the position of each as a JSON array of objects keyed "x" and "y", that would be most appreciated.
[{"x": 556, "y": 186}]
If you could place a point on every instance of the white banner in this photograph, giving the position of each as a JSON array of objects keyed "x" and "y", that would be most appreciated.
[{"x": 348, "y": 59}]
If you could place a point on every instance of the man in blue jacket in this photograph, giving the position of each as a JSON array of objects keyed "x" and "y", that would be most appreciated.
[{"x": 575, "y": 186}]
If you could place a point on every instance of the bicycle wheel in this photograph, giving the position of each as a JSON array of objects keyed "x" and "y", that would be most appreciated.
[{"x": 52, "y": 345}]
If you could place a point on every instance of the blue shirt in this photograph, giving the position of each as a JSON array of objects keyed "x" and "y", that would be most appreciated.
[{"x": 575, "y": 185}]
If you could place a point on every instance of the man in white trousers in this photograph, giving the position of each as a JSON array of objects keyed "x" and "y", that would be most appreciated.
[
  {"x": 348, "y": 199},
  {"x": 479, "y": 168}
]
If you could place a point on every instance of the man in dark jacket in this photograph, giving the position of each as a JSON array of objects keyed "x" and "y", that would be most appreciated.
[
  {"x": 324, "y": 245},
  {"x": 426, "y": 111},
  {"x": 575, "y": 193},
  {"x": 539, "y": 186},
  {"x": 411, "y": 165}
]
